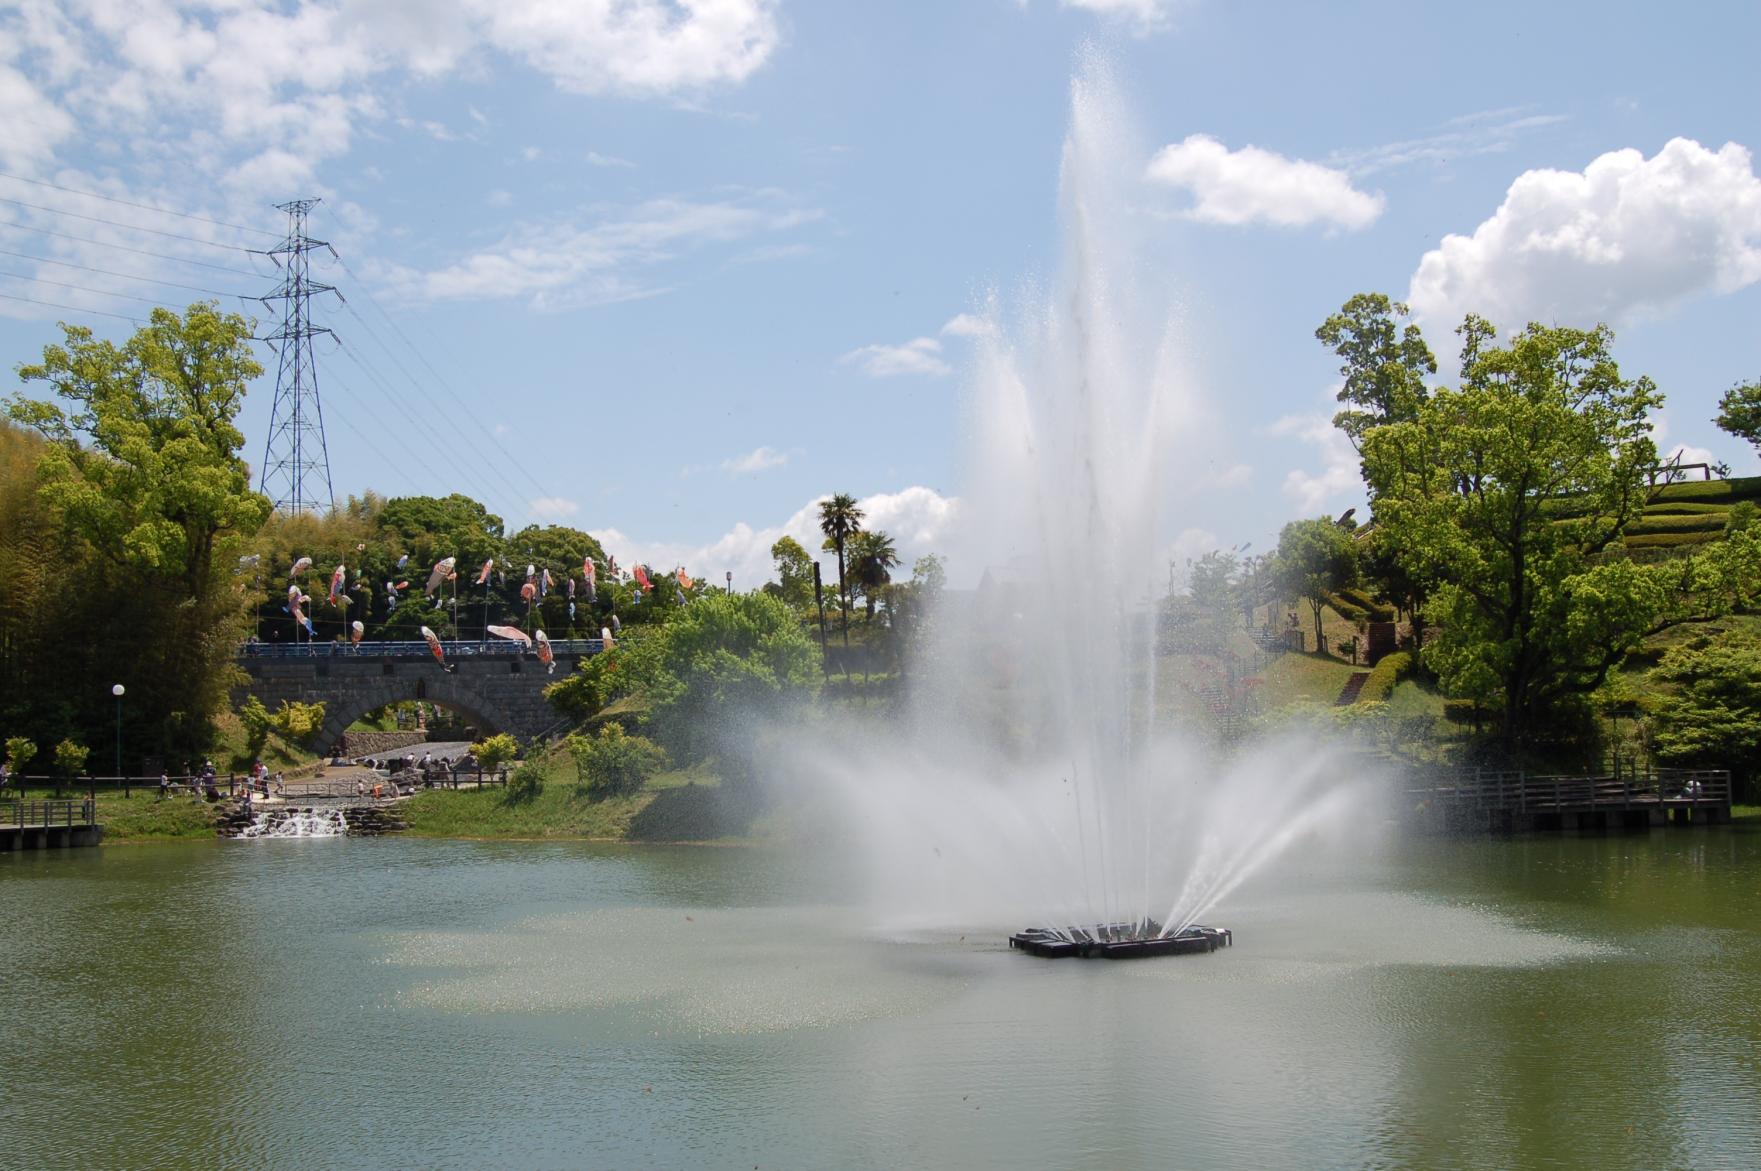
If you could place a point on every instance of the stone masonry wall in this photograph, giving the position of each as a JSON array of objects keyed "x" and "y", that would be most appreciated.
[{"x": 377, "y": 743}]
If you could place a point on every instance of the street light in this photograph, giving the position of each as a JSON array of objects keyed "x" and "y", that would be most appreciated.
[
  {"x": 117, "y": 691},
  {"x": 730, "y": 583}
]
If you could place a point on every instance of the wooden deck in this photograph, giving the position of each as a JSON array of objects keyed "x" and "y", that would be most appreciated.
[
  {"x": 1512, "y": 801},
  {"x": 47, "y": 825}
]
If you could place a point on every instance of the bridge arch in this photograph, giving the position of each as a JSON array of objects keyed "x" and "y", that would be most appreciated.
[{"x": 503, "y": 693}]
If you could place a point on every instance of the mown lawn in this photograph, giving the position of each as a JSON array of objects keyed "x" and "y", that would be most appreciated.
[{"x": 681, "y": 805}]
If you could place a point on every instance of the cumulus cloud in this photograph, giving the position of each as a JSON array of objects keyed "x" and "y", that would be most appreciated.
[
  {"x": 197, "y": 86},
  {"x": 1254, "y": 185},
  {"x": 594, "y": 158},
  {"x": 918, "y": 519},
  {"x": 1338, "y": 480},
  {"x": 552, "y": 508},
  {"x": 633, "y": 46},
  {"x": 758, "y": 460},
  {"x": 919, "y": 356},
  {"x": 1625, "y": 237}
]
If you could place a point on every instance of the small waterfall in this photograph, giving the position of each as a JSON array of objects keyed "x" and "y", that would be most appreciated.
[{"x": 297, "y": 823}]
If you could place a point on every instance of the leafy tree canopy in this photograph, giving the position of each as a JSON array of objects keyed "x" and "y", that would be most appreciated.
[
  {"x": 1384, "y": 363},
  {"x": 1315, "y": 558}
]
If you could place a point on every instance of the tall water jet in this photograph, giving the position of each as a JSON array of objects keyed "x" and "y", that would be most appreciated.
[{"x": 1037, "y": 780}]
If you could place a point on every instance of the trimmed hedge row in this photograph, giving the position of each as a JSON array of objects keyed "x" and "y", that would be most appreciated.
[
  {"x": 1743, "y": 488},
  {"x": 1383, "y": 676},
  {"x": 1376, "y": 611},
  {"x": 1657, "y": 540},
  {"x": 1692, "y": 523},
  {"x": 1685, "y": 508}
]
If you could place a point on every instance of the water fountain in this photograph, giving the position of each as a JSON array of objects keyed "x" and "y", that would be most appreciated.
[{"x": 1040, "y": 773}]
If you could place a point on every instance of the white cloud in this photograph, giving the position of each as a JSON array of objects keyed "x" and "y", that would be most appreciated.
[
  {"x": 594, "y": 158},
  {"x": 919, "y": 356},
  {"x": 1679, "y": 453},
  {"x": 552, "y": 508},
  {"x": 758, "y": 460},
  {"x": 1624, "y": 238},
  {"x": 1338, "y": 482},
  {"x": 620, "y": 257},
  {"x": 1251, "y": 184},
  {"x": 1483, "y": 133},
  {"x": 918, "y": 519},
  {"x": 499, "y": 198},
  {"x": 968, "y": 325},
  {"x": 633, "y": 46},
  {"x": 531, "y": 153},
  {"x": 1145, "y": 15},
  {"x": 195, "y": 87},
  {"x": 1234, "y": 476}
]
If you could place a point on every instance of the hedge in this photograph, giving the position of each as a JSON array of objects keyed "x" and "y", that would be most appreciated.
[
  {"x": 1655, "y": 523},
  {"x": 1656, "y": 540},
  {"x": 1685, "y": 508},
  {"x": 1742, "y": 488},
  {"x": 1375, "y": 611},
  {"x": 1383, "y": 676}
]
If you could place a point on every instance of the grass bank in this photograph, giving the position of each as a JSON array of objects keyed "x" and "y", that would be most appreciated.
[
  {"x": 682, "y": 805},
  {"x": 141, "y": 816}
]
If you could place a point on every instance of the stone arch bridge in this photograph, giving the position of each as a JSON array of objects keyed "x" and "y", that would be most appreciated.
[{"x": 499, "y": 688}]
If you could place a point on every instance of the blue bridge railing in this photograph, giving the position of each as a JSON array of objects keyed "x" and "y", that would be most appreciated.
[{"x": 414, "y": 649}]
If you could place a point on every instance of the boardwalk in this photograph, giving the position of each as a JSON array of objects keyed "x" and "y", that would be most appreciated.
[
  {"x": 39, "y": 825},
  {"x": 1507, "y": 801}
]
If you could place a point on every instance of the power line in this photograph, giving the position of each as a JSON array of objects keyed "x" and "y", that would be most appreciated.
[
  {"x": 18, "y": 276},
  {"x": 296, "y": 459},
  {"x": 127, "y": 276},
  {"x": 462, "y": 433},
  {"x": 419, "y": 420},
  {"x": 71, "y": 308},
  {"x": 131, "y": 203},
  {"x": 137, "y": 251},
  {"x": 126, "y": 227},
  {"x": 438, "y": 377}
]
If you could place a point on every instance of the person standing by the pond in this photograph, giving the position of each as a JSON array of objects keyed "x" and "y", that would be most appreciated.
[{"x": 164, "y": 786}]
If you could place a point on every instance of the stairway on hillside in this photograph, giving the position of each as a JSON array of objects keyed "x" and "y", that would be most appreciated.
[{"x": 1348, "y": 694}]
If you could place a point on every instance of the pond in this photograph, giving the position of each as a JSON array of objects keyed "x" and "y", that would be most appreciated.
[{"x": 1547, "y": 1002}]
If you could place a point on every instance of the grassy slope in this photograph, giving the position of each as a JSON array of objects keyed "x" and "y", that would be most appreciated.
[
  {"x": 679, "y": 805},
  {"x": 142, "y": 817}
]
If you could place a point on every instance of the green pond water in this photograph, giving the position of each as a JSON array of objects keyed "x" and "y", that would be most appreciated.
[{"x": 1534, "y": 1003}]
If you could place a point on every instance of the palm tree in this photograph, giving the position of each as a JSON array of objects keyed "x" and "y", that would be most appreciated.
[
  {"x": 839, "y": 520},
  {"x": 872, "y": 559}
]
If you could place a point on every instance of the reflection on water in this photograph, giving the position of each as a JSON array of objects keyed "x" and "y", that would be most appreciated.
[{"x": 1547, "y": 1003}]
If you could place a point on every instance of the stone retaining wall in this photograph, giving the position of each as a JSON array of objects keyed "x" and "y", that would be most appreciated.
[{"x": 377, "y": 743}]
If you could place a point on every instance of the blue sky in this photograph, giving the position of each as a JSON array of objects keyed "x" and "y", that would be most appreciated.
[{"x": 675, "y": 268}]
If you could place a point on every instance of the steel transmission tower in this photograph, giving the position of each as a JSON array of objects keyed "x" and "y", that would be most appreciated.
[{"x": 296, "y": 463}]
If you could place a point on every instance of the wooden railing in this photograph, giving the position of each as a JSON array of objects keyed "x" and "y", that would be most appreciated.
[
  {"x": 43, "y": 814},
  {"x": 1491, "y": 789}
]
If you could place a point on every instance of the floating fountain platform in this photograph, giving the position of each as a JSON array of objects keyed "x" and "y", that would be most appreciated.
[{"x": 1120, "y": 941}]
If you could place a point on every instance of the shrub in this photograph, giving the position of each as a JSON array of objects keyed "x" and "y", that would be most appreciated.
[
  {"x": 70, "y": 759},
  {"x": 526, "y": 782},
  {"x": 19, "y": 754},
  {"x": 494, "y": 752},
  {"x": 1660, "y": 540},
  {"x": 1678, "y": 523},
  {"x": 1383, "y": 676},
  {"x": 613, "y": 763}
]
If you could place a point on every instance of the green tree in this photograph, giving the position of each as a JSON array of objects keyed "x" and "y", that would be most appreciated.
[
  {"x": 1214, "y": 582},
  {"x": 873, "y": 558},
  {"x": 1711, "y": 714},
  {"x": 794, "y": 569},
  {"x": 70, "y": 760},
  {"x": 929, "y": 574},
  {"x": 1504, "y": 492},
  {"x": 722, "y": 666},
  {"x": 1739, "y": 411},
  {"x": 1383, "y": 362},
  {"x": 143, "y": 464},
  {"x": 1316, "y": 558},
  {"x": 839, "y": 520},
  {"x": 19, "y": 754},
  {"x": 614, "y": 763},
  {"x": 258, "y": 722}
]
